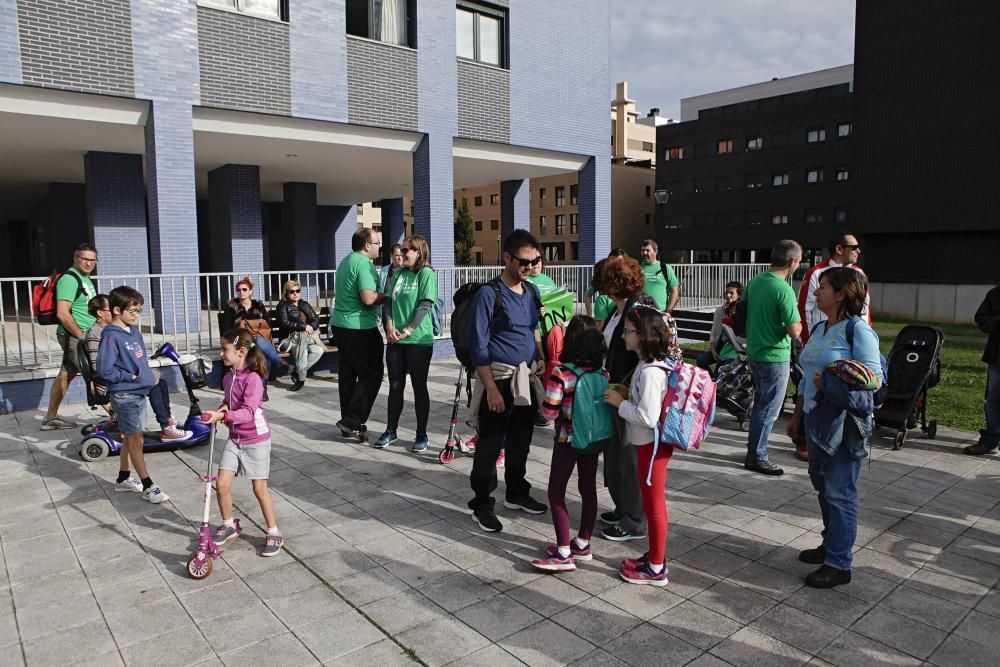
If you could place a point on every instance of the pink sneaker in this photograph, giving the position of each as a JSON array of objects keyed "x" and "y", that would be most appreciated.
[
  {"x": 501, "y": 458},
  {"x": 574, "y": 551},
  {"x": 644, "y": 575},
  {"x": 171, "y": 433},
  {"x": 555, "y": 564},
  {"x": 635, "y": 563}
]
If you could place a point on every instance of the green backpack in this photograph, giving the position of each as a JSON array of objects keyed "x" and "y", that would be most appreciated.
[{"x": 591, "y": 416}]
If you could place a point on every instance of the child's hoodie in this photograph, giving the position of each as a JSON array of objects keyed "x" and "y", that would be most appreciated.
[
  {"x": 122, "y": 362},
  {"x": 244, "y": 394}
]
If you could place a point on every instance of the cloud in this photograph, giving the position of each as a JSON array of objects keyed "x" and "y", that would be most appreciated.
[{"x": 673, "y": 49}]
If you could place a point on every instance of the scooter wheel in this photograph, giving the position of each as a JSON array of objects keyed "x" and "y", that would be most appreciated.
[
  {"x": 446, "y": 456},
  {"x": 199, "y": 568},
  {"x": 744, "y": 425},
  {"x": 94, "y": 448}
]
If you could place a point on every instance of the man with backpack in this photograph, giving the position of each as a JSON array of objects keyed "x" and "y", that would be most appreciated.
[
  {"x": 661, "y": 281},
  {"x": 505, "y": 349},
  {"x": 73, "y": 290}
]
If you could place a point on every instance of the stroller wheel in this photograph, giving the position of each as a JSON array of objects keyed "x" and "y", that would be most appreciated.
[
  {"x": 199, "y": 568},
  {"x": 744, "y": 425},
  {"x": 447, "y": 455},
  {"x": 897, "y": 442},
  {"x": 932, "y": 429}
]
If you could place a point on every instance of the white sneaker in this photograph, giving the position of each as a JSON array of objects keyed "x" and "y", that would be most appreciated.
[
  {"x": 130, "y": 484},
  {"x": 154, "y": 495}
]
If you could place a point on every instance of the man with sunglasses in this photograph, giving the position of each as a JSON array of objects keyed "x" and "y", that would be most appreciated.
[
  {"x": 844, "y": 251},
  {"x": 73, "y": 292},
  {"x": 354, "y": 324},
  {"x": 506, "y": 349}
]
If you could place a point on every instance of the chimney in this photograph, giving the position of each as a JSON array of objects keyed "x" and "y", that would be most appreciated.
[{"x": 653, "y": 113}]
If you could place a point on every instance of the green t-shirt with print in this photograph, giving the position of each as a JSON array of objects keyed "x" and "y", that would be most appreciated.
[
  {"x": 78, "y": 294},
  {"x": 408, "y": 289},
  {"x": 544, "y": 284},
  {"x": 658, "y": 285},
  {"x": 604, "y": 305},
  {"x": 771, "y": 306},
  {"x": 354, "y": 274}
]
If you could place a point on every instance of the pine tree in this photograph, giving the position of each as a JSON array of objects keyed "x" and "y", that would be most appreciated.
[{"x": 465, "y": 236}]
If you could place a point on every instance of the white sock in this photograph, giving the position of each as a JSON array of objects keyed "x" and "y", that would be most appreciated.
[
  {"x": 273, "y": 531},
  {"x": 563, "y": 552},
  {"x": 581, "y": 543},
  {"x": 656, "y": 568},
  {"x": 229, "y": 523}
]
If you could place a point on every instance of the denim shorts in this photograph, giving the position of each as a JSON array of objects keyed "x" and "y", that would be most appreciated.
[
  {"x": 130, "y": 411},
  {"x": 253, "y": 461}
]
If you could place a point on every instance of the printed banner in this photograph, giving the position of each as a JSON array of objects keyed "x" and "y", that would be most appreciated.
[{"x": 557, "y": 308}]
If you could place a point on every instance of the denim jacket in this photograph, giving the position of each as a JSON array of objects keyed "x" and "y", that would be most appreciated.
[{"x": 836, "y": 403}]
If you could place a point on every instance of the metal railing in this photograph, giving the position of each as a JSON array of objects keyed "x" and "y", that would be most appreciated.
[{"x": 183, "y": 309}]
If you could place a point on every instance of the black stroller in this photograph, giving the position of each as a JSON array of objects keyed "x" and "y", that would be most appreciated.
[{"x": 914, "y": 367}]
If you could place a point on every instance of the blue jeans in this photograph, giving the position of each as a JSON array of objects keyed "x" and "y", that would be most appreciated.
[
  {"x": 836, "y": 480},
  {"x": 770, "y": 380},
  {"x": 992, "y": 407},
  {"x": 267, "y": 347},
  {"x": 159, "y": 400}
]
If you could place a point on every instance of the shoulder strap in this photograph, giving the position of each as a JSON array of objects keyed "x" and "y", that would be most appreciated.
[
  {"x": 498, "y": 307},
  {"x": 79, "y": 282},
  {"x": 663, "y": 269}
]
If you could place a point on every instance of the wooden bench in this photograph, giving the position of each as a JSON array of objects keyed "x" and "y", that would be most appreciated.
[
  {"x": 693, "y": 325},
  {"x": 277, "y": 334}
]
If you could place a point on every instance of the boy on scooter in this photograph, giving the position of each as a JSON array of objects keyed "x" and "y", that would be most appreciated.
[{"x": 122, "y": 363}]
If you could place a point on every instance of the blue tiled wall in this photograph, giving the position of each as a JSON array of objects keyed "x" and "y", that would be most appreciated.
[{"x": 10, "y": 48}]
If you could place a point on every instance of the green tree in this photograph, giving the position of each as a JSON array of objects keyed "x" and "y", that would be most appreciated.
[{"x": 465, "y": 235}]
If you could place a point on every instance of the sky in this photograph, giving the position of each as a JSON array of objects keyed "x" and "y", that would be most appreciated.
[{"x": 671, "y": 49}]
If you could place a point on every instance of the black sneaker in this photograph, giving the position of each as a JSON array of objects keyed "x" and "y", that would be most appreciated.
[
  {"x": 610, "y": 518},
  {"x": 828, "y": 577},
  {"x": 813, "y": 556},
  {"x": 764, "y": 468},
  {"x": 487, "y": 520},
  {"x": 987, "y": 445},
  {"x": 618, "y": 534},
  {"x": 349, "y": 432},
  {"x": 526, "y": 504},
  {"x": 541, "y": 421}
]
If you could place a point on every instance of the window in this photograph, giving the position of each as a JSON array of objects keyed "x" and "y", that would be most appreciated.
[
  {"x": 389, "y": 21},
  {"x": 275, "y": 9},
  {"x": 840, "y": 215},
  {"x": 647, "y": 146},
  {"x": 726, "y": 183},
  {"x": 814, "y": 216},
  {"x": 361, "y": 208},
  {"x": 454, "y": 205},
  {"x": 725, "y": 146},
  {"x": 574, "y": 247},
  {"x": 777, "y": 180},
  {"x": 754, "y": 181},
  {"x": 674, "y": 153},
  {"x": 479, "y": 225},
  {"x": 755, "y": 143},
  {"x": 478, "y": 201},
  {"x": 843, "y": 174},
  {"x": 815, "y": 135},
  {"x": 494, "y": 225},
  {"x": 541, "y": 225},
  {"x": 751, "y": 218},
  {"x": 647, "y": 220},
  {"x": 649, "y": 191},
  {"x": 479, "y": 258},
  {"x": 560, "y": 225},
  {"x": 377, "y": 204},
  {"x": 779, "y": 218},
  {"x": 480, "y": 33},
  {"x": 572, "y": 223},
  {"x": 845, "y": 130},
  {"x": 541, "y": 197},
  {"x": 574, "y": 194},
  {"x": 814, "y": 175},
  {"x": 554, "y": 252},
  {"x": 494, "y": 200},
  {"x": 702, "y": 185},
  {"x": 560, "y": 196}
]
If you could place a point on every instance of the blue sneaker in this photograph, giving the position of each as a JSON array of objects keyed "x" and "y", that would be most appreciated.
[
  {"x": 419, "y": 445},
  {"x": 385, "y": 440}
]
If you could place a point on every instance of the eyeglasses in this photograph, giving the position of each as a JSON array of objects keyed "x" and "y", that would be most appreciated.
[
  {"x": 243, "y": 289},
  {"x": 294, "y": 291},
  {"x": 89, "y": 259},
  {"x": 525, "y": 263},
  {"x": 628, "y": 331},
  {"x": 407, "y": 251},
  {"x": 134, "y": 312},
  {"x": 853, "y": 246}
]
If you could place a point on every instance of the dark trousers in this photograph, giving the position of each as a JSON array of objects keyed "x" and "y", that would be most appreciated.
[
  {"x": 510, "y": 430},
  {"x": 414, "y": 360},
  {"x": 360, "y": 368},
  {"x": 620, "y": 460},
  {"x": 159, "y": 400}
]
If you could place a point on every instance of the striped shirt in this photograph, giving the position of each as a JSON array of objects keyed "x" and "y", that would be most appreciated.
[{"x": 558, "y": 402}]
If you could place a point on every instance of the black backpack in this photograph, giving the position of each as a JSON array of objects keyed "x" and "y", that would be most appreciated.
[
  {"x": 740, "y": 318},
  {"x": 461, "y": 317}
]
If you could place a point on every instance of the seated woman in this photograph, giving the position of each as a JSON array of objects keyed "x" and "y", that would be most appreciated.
[
  {"x": 720, "y": 351},
  {"x": 245, "y": 312},
  {"x": 297, "y": 317}
]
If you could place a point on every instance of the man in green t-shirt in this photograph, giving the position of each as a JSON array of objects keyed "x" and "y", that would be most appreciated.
[
  {"x": 772, "y": 320},
  {"x": 73, "y": 291},
  {"x": 661, "y": 282},
  {"x": 354, "y": 324}
]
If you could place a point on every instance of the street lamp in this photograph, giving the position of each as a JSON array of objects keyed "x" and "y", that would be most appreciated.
[{"x": 661, "y": 197}]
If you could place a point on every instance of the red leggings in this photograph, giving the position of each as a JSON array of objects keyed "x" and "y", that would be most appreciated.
[{"x": 654, "y": 500}]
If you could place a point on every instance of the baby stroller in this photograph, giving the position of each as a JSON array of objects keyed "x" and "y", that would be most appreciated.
[{"x": 914, "y": 367}]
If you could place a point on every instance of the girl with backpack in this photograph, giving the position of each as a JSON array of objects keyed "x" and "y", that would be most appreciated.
[
  {"x": 578, "y": 382},
  {"x": 648, "y": 333}
]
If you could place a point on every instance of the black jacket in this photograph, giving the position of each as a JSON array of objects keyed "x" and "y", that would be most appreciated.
[
  {"x": 288, "y": 315},
  {"x": 234, "y": 312},
  {"x": 988, "y": 321},
  {"x": 620, "y": 362}
]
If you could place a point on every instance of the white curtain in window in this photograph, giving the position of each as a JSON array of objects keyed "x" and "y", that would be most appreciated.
[
  {"x": 265, "y": 7},
  {"x": 389, "y": 21}
]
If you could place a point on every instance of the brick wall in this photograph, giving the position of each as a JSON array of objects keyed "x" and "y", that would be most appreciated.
[
  {"x": 318, "y": 41},
  {"x": 116, "y": 211},
  {"x": 244, "y": 62},
  {"x": 381, "y": 84},
  {"x": 235, "y": 229},
  {"x": 483, "y": 102},
  {"x": 83, "y": 45},
  {"x": 10, "y": 47}
]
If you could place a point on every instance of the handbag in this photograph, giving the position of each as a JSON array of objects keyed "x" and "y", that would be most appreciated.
[{"x": 259, "y": 327}]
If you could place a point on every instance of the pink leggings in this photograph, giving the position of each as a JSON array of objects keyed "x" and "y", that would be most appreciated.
[{"x": 654, "y": 501}]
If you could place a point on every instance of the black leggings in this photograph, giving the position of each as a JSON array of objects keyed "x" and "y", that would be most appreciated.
[{"x": 414, "y": 360}]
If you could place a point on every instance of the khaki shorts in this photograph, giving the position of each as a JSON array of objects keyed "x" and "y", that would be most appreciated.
[
  {"x": 70, "y": 348},
  {"x": 253, "y": 461}
]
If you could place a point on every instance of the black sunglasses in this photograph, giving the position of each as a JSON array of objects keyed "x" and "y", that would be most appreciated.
[
  {"x": 294, "y": 291},
  {"x": 853, "y": 246},
  {"x": 529, "y": 262}
]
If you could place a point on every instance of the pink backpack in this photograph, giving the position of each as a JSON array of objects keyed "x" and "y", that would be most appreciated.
[{"x": 688, "y": 410}]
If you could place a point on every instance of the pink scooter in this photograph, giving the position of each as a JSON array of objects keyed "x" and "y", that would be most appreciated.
[{"x": 199, "y": 565}]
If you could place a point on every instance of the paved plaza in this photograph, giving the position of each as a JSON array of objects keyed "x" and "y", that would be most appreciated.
[{"x": 384, "y": 566}]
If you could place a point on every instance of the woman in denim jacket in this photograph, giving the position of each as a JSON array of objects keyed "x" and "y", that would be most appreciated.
[{"x": 835, "y": 463}]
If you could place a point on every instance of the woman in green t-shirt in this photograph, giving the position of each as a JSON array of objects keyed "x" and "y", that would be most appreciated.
[{"x": 409, "y": 332}]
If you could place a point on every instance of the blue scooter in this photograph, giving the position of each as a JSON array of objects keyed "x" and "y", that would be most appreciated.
[{"x": 103, "y": 440}]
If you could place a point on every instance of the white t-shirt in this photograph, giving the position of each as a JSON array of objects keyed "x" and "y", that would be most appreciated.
[{"x": 610, "y": 326}]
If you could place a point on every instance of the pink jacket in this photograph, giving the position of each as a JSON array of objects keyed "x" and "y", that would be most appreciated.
[{"x": 244, "y": 393}]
